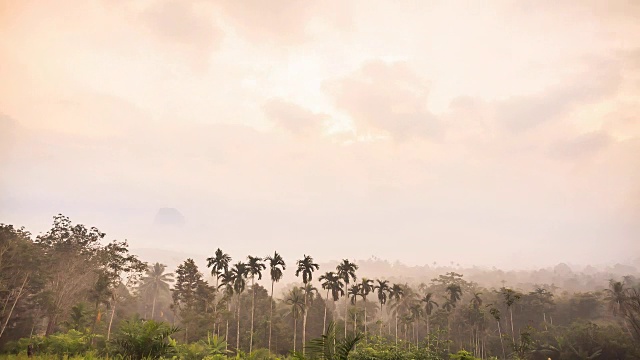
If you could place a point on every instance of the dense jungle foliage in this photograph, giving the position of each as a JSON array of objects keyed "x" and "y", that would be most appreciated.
[{"x": 68, "y": 293}]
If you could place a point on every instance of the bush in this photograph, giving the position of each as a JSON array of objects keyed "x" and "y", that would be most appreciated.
[
  {"x": 71, "y": 343},
  {"x": 138, "y": 339},
  {"x": 261, "y": 354},
  {"x": 213, "y": 347},
  {"x": 463, "y": 355}
]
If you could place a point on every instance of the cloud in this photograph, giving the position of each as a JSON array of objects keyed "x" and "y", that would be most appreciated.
[
  {"x": 522, "y": 113},
  {"x": 188, "y": 25},
  {"x": 286, "y": 22},
  {"x": 386, "y": 97},
  {"x": 582, "y": 146},
  {"x": 294, "y": 118},
  {"x": 539, "y": 143}
]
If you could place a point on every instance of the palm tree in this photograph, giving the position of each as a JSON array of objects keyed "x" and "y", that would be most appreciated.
[
  {"x": 255, "y": 267},
  {"x": 227, "y": 281},
  {"x": 296, "y": 300},
  {"x": 616, "y": 297},
  {"x": 239, "y": 274},
  {"x": 327, "y": 347},
  {"x": 476, "y": 301},
  {"x": 429, "y": 304},
  {"x": 346, "y": 272},
  {"x": 476, "y": 304},
  {"x": 496, "y": 315},
  {"x": 382, "y": 289},
  {"x": 416, "y": 314},
  {"x": 354, "y": 292},
  {"x": 395, "y": 293},
  {"x": 276, "y": 266},
  {"x": 366, "y": 287},
  {"x": 219, "y": 264},
  {"x": 455, "y": 292},
  {"x": 330, "y": 282},
  {"x": 510, "y": 298},
  {"x": 306, "y": 267},
  {"x": 544, "y": 298},
  {"x": 310, "y": 293},
  {"x": 156, "y": 281},
  {"x": 402, "y": 304}
]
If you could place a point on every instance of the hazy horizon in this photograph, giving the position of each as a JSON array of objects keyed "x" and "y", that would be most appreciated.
[{"x": 501, "y": 133}]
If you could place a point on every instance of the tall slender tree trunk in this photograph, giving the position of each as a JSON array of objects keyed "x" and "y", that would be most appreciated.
[
  {"x": 346, "y": 307},
  {"x": 270, "y": 315},
  {"x": 513, "y": 336},
  {"x": 6, "y": 303},
  {"x": 396, "y": 329},
  {"x": 113, "y": 312},
  {"x": 216, "y": 329},
  {"x": 355, "y": 316},
  {"x": 295, "y": 332},
  {"x": 304, "y": 323},
  {"x": 335, "y": 315},
  {"x": 238, "y": 328},
  {"x": 504, "y": 354},
  {"x": 381, "y": 322},
  {"x": 324, "y": 321},
  {"x": 153, "y": 307},
  {"x": 253, "y": 306},
  {"x": 448, "y": 333},
  {"x": 13, "y": 306},
  {"x": 365, "y": 319},
  {"x": 226, "y": 330},
  {"x": 428, "y": 333}
]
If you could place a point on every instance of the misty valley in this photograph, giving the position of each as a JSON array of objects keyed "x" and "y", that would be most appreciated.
[{"x": 69, "y": 293}]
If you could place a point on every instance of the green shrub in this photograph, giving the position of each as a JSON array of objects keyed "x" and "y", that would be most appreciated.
[
  {"x": 138, "y": 339},
  {"x": 70, "y": 344},
  {"x": 463, "y": 355},
  {"x": 261, "y": 354},
  {"x": 213, "y": 347}
]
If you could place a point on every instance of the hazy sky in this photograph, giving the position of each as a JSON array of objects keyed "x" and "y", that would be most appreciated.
[{"x": 504, "y": 132}]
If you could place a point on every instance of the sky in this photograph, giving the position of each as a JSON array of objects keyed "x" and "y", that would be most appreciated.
[{"x": 498, "y": 133}]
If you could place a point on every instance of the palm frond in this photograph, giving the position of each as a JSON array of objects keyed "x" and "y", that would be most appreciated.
[{"x": 323, "y": 348}]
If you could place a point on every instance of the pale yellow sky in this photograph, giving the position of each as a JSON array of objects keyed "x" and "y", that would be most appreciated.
[{"x": 494, "y": 132}]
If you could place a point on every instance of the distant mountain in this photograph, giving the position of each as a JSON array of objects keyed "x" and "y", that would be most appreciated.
[{"x": 169, "y": 216}]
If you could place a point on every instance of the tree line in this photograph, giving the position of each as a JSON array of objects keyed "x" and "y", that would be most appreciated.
[{"x": 70, "y": 279}]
